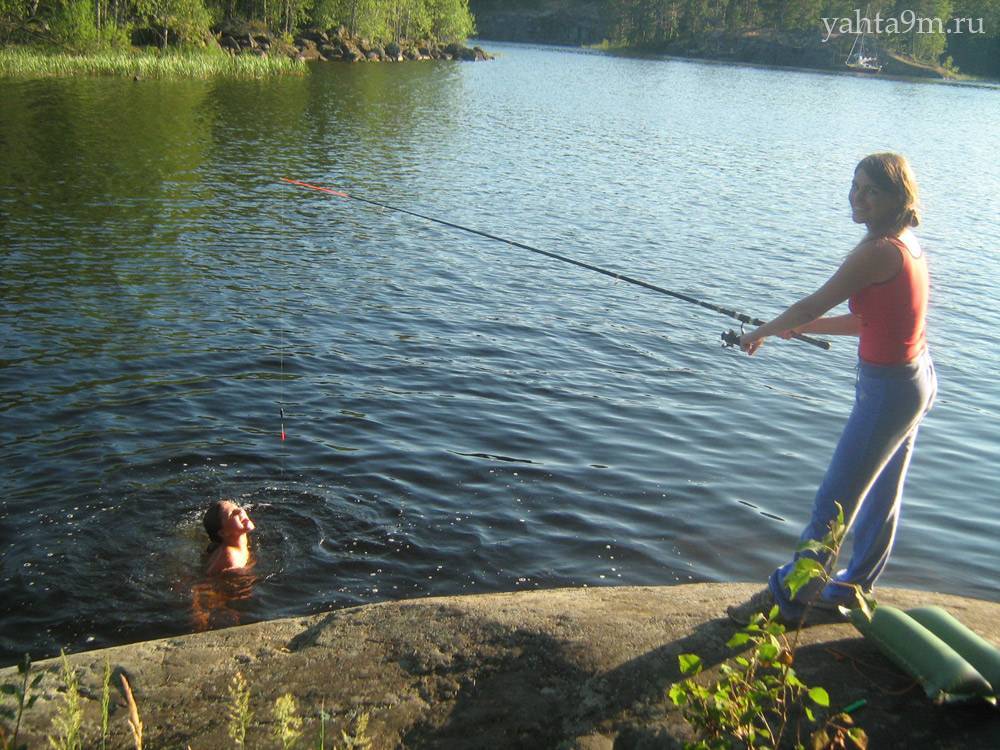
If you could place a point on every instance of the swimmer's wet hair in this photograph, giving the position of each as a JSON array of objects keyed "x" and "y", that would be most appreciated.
[{"x": 213, "y": 523}]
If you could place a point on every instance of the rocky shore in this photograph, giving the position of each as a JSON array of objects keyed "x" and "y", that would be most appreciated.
[
  {"x": 339, "y": 45},
  {"x": 570, "y": 668}
]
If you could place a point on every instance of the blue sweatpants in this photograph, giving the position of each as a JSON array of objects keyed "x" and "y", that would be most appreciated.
[{"x": 866, "y": 477}]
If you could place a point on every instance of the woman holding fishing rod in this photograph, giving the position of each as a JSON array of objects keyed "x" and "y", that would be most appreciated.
[{"x": 885, "y": 281}]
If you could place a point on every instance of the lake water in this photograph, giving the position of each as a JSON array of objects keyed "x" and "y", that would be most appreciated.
[{"x": 462, "y": 416}]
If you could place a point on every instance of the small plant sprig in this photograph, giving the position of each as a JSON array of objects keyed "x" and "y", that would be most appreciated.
[
  {"x": 239, "y": 711},
  {"x": 826, "y": 549},
  {"x": 323, "y": 716},
  {"x": 754, "y": 699},
  {"x": 21, "y": 693},
  {"x": 69, "y": 719},
  {"x": 105, "y": 703},
  {"x": 839, "y": 733},
  {"x": 357, "y": 738},
  {"x": 288, "y": 727},
  {"x": 133, "y": 714}
]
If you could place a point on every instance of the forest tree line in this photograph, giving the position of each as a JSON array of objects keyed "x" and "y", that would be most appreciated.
[
  {"x": 87, "y": 25},
  {"x": 655, "y": 23}
]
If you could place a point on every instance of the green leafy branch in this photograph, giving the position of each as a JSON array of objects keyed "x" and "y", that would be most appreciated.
[
  {"x": 807, "y": 569},
  {"x": 758, "y": 693},
  {"x": 751, "y": 703}
]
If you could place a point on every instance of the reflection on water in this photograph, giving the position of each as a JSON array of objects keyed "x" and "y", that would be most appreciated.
[{"x": 213, "y": 600}]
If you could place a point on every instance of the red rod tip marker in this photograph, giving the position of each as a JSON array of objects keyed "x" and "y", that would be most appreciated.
[{"x": 315, "y": 187}]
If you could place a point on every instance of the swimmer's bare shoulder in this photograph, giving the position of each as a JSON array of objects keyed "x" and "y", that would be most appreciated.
[{"x": 226, "y": 560}]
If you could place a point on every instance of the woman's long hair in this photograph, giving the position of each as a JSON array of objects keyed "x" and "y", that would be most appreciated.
[
  {"x": 891, "y": 173},
  {"x": 213, "y": 524}
]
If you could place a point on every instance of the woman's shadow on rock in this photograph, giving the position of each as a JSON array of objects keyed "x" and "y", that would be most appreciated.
[{"x": 529, "y": 689}]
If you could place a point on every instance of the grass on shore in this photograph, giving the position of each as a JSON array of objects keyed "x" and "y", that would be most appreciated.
[
  {"x": 70, "y": 732},
  {"x": 21, "y": 62}
]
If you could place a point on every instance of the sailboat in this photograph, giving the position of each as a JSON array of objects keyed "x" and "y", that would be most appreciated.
[{"x": 858, "y": 60}]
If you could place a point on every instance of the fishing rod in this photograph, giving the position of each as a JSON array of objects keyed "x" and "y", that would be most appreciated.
[{"x": 729, "y": 338}]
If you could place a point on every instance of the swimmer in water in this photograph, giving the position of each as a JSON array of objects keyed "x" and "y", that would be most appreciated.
[{"x": 227, "y": 525}]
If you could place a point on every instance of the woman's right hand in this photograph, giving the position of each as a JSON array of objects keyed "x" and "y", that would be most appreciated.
[{"x": 750, "y": 343}]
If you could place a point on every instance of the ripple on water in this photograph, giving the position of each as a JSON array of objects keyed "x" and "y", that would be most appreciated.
[{"x": 462, "y": 416}]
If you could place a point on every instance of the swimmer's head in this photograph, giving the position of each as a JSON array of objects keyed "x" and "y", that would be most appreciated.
[{"x": 225, "y": 522}]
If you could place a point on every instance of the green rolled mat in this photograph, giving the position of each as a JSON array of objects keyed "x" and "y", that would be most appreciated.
[
  {"x": 976, "y": 650},
  {"x": 945, "y": 676}
]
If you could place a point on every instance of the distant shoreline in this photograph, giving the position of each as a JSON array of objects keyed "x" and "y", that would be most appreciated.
[
  {"x": 635, "y": 52},
  {"x": 27, "y": 62},
  {"x": 779, "y": 49},
  {"x": 240, "y": 52},
  {"x": 765, "y": 49},
  {"x": 582, "y": 24},
  {"x": 653, "y": 54}
]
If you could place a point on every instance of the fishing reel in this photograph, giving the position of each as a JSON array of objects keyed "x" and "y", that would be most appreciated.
[{"x": 731, "y": 339}]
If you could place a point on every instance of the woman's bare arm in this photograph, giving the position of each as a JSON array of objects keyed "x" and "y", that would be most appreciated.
[
  {"x": 833, "y": 325},
  {"x": 869, "y": 263}
]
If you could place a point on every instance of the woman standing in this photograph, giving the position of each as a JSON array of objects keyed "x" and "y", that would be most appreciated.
[{"x": 885, "y": 280}]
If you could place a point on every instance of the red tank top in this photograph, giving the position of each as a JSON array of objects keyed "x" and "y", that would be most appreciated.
[{"x": 892, "y": 313}]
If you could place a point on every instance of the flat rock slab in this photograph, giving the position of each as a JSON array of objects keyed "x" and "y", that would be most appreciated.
[{"x": 567, "y": 668}]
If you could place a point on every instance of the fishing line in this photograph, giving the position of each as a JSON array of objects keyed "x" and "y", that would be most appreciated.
[
  {"x": 281, "y": 395},
  {"x": 281, "y": 384},
  {"x": 729, "y": 338}
]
